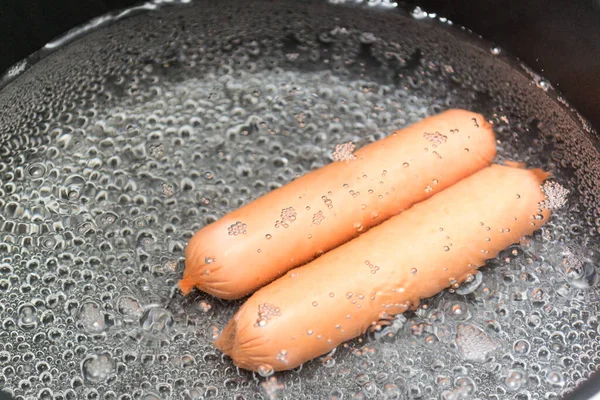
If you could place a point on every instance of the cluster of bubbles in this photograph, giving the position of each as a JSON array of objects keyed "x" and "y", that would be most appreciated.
[{"x": 116, "y": 149}]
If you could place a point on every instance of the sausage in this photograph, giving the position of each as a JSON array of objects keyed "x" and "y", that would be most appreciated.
[
  {"x": 317, "y": 212},
  {"x": 437, "y": 243}
]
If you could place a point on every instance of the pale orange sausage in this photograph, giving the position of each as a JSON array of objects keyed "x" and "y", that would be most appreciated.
[
  {"x": 385, "y": 271},
  {"x": 290, "y": 226}
]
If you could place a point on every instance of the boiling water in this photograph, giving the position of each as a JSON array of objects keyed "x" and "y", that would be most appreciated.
[{"x": 118, "y": 147}]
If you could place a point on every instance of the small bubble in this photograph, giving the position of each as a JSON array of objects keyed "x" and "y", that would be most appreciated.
[
  {"x": 556, "y": 196},
  {"x": 288, "y": 216},
  {"x": 27, "y": 317},
  {"x": 129, "y": 308},
  {"x": 431, "y": 340},
  {"x": 473, "y": 343},
  {"x": 167, "y": 189},
  {"x": 344, "y": 152},
  {"x": 405, "y": 165},
  {"x": 265, "y": 370},
  {"x": 282, "y": 356},
  {"x": 327, "y": 201},
  {"x": 98, "y": 368},
  {"x": 92, "y": 318},
  {"x": 521, "y": 346},
  {"x": 413, "y": 271},
  {"x": 318, "y": 218},
  {"x": 542, "y": 84},
  {"x": 435, "y": 138},
  {"x": 238, "y": 228},
  {"x": 205, "y": 306},
  {"x": 310, "y": 332},
  {"x": 157, "y": 320},
  {"x": 266, "y": 311},
  {"x": 314, "y": 304},
  {"x": 268, "y": 236},
  {"x": 271, "y": 387},
  {"x": 555, "y": 378},
  {"x": 446, "y": 248},
  {"x": 418, "y": 13},
  {"x": 36, "y": 170}
]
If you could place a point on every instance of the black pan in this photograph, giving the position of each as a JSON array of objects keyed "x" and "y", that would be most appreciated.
[{"x": 121, "y": 138}]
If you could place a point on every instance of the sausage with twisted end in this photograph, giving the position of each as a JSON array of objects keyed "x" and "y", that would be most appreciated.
[
  {"x": 290, "y": 226},
  {"x": 385, "y": 271}
]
